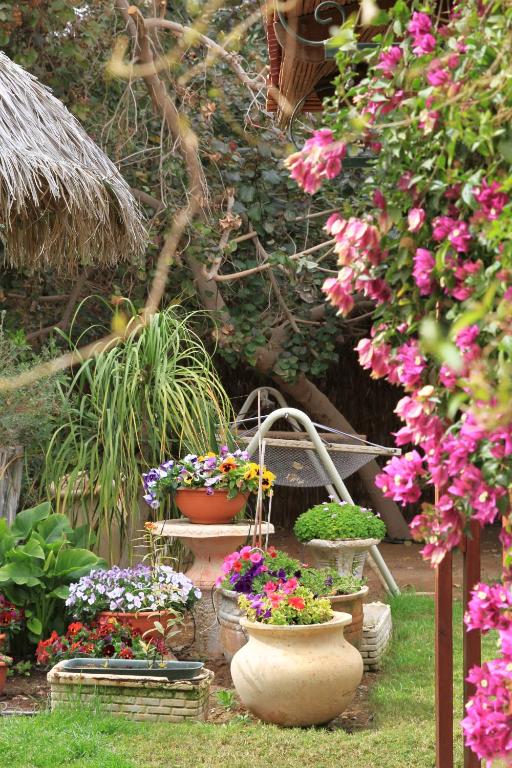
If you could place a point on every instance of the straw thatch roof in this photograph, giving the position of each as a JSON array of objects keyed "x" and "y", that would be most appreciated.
[{"x": 61, "y": 199}]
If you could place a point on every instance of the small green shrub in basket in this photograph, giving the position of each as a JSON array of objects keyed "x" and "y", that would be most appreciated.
[{"x": 333, "y": 521}]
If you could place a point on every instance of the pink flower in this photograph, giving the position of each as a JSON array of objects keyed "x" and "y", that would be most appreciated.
[
  {"x": 290, "y": 585},
  {"x": 339, "y": 294},
  {"x": 424, "y": 44},
  {"x": 410, "y": 364},
  {"x": 419, "y": 24},
  {"x": 437, "y": 75},
  {"x": 455, "y": 230},
  {"x": 398, "y": 480},
  {"x": 415, "y": 219},
  {"x": 389, "y": 60},
  {"x": 453, "y": 60},
  {"x": 491, "y": 200},
  {"x": 379, "y": 200},
  {"x": 256, "y": 557},
  {"x": 424, "y": 264},
  {"x": 375, "y": 357},
  {"x": 487, "y": 726},
  {"x": 319, "y": 159}
]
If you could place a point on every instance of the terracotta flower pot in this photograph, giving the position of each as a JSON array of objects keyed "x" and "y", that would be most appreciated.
[
  {"x": 3, "y": 676},
  {"x": 297, "y": 675},
  {"x": 352, "y": 604},
  {"x": 213, "y": 509},
  {"x": 143, "y": 621}
]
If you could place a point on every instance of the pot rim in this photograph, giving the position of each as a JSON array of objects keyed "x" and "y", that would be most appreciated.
[
  {"x": 345, "y": 542},
  {"x": 340, "y": 619},
  {"x": 218, "y": 490},
  {"x": 360, "y": 593},
  {"x": 137, "y": 613}
]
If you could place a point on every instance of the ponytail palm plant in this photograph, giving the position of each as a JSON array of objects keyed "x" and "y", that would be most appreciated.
[{"x": 154, "y": 396}]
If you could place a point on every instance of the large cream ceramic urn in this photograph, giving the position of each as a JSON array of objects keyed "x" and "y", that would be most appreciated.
[{"x": 297, "y": 675}]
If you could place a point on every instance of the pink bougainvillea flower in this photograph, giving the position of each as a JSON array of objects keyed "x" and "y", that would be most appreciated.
[
  {"x": 492, "y": 200},
  {"x": 424, "y": 264},
  {"x": 389, "y": 60},
  {"x": 319, "y": 159},
  {"x": 437, "y": 74},
  {"x": 398, "y": 480},
  {"x": 339, "y": 294},
  {"x": 419, "y": 24},
  {"x": 375, "y": 357},
  {"x": 415, "y": 219},
  {"x": 410, "y": 364}
]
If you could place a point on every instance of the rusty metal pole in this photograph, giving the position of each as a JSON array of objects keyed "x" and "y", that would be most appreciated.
[{"x": 472, "y": 640}]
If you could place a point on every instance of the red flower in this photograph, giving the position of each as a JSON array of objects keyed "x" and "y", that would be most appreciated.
[
  {"x": 74, "y": 628},
  {"x": 297, "y": 602},
  {"x": 126, "y": 653}
]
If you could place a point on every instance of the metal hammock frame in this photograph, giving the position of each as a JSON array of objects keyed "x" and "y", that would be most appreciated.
[{"x": 318, "y": 451}]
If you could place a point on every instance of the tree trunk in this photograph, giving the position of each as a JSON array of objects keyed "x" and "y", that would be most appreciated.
[
  {"x": 320, "y": 409},
  {"x": 11, "y": 468}
]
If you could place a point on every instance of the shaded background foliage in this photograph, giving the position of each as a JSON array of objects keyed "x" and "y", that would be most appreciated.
[{"x": 67, "y": 43}]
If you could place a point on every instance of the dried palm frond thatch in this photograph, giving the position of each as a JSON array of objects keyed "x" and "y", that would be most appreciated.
[{"x": 62, "y": 201}]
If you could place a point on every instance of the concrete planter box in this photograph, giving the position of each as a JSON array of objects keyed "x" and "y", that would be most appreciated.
[
  {"x": 377, "y": 631},
  {"x": 137, "y": 698}
]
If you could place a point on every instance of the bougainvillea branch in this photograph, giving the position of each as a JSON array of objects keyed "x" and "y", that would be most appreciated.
[{"x": 430, "y": 242}]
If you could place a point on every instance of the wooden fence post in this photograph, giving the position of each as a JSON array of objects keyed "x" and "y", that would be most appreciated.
[
  {"x": 444, "y": 662},
  {"x": 472, "y": 640}
]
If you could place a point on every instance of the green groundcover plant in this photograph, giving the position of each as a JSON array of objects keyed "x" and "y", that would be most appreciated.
[
  {"x": 40, "y": 556},
  {"x": 333, "y": 520}
]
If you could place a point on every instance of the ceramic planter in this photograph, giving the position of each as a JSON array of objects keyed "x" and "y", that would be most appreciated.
[
  {"x": 352, "y": 604},
  {"x": 214, "y": 509},
  {"x": 346, "y": 555},
  {"x": 3, "y": 676},
  {"x": 297, "y": 675},
  {"x": 143, "y": 621},
  {"x": 232, "y": 636}
]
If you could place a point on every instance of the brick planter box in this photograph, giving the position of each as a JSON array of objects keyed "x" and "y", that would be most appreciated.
[
  {"x": 137, "y": 698},
  {"x": 377, "y": 629}
]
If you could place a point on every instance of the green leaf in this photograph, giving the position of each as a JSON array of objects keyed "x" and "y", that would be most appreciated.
[
  {"x": 34, "y": 625},
  {"x": 21, "y": 573},
  {"x": 54, "y": 527},
  {"x": 28, "y": 519},
  {"x": 62, "y": 592},
  {"x": 75, "y": 563},
  {"x": 33, "y": 549}
]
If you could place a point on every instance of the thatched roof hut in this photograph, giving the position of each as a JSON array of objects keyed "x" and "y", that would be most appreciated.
[{"x": 62, "y": 201}]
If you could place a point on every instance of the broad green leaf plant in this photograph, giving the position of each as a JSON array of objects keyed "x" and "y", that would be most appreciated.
[{"x": 40, "y": 556}]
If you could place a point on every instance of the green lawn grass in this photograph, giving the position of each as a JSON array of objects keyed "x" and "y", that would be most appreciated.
[{"x": 403, "y": 735}]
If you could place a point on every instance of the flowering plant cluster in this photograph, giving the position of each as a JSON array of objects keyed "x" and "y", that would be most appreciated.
[
  {"x": 250, "y": 570},
  {"x": 231, "y": 471},
  {"x": 7, "y": 660},
  {"x": 287, "y": 604},
  {"x": 430, "y": 243},
  {"x": 106, "y": 638},
  {"x": 338, "y": 520},
  {"x": 11, "y": 618},
  {"x": 130, "y": 590}
]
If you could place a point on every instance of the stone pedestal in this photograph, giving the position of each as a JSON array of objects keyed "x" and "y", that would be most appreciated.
[{"x": 209, "y": 544}]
